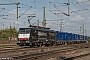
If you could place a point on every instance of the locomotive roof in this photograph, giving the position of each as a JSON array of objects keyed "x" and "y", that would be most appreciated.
[
  {"x": 40, "y": 29},
  {"x": 31, "y": 26}
]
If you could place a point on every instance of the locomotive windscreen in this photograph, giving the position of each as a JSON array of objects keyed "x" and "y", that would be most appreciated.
[{"x": 24, "y": 31}]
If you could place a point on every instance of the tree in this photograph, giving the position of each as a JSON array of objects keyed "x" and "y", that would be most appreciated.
[{"x": 6, "y": 33}]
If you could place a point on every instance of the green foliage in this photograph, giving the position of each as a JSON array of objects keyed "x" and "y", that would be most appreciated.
[
  {"x": 88, "y": 39},
  {"x": 6, "y": 33}
]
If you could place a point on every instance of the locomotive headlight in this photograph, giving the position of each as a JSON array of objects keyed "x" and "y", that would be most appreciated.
[
  {"x": 27, "y": 41},
  {"x": 18, "y": 41}
]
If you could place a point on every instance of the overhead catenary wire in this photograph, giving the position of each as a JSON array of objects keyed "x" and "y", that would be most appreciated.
[
  {"x": 74, "y": 22},
  {"x": 24, "y": 12},
  {"x": 83, "y": 7},
  {"x": 80, "y": 10},
  {"x": 27, "y": 3},
  {"x": 59, "y": 9}
]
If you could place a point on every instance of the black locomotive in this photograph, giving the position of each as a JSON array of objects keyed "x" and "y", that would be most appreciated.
[{"x": 36, "y": 36}]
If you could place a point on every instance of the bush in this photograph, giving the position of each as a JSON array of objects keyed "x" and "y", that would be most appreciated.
[
  {"x": 89, "y": 40},
  {"x": 6, "y": 33}
]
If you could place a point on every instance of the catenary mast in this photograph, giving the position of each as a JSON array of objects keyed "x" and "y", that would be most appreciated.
[{"x": 44, "y": 18}]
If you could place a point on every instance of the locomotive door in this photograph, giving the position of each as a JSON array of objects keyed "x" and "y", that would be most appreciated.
[{"x": 34, "y": 35}]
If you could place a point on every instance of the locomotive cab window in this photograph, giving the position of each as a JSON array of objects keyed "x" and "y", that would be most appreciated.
[{"x": 24, "y": 31}]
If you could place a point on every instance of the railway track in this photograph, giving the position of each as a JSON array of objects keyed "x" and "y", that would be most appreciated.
[
  {"x": 41, "y": 54},
  {"x": 37, "y": 53},
  {"x": 7, "y": 52},
  {"x": 20, "y": 51},
  {"x": 79, "y": 55}
]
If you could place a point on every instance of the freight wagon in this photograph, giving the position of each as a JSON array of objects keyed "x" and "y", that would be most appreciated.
[{"x": 70, "y": 38}]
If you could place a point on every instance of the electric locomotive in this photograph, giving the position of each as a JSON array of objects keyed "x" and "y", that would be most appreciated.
[{"x": 36, "y": 36}]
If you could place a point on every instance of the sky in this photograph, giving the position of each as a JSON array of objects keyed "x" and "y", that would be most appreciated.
[{"x": 78, "y": 21}]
